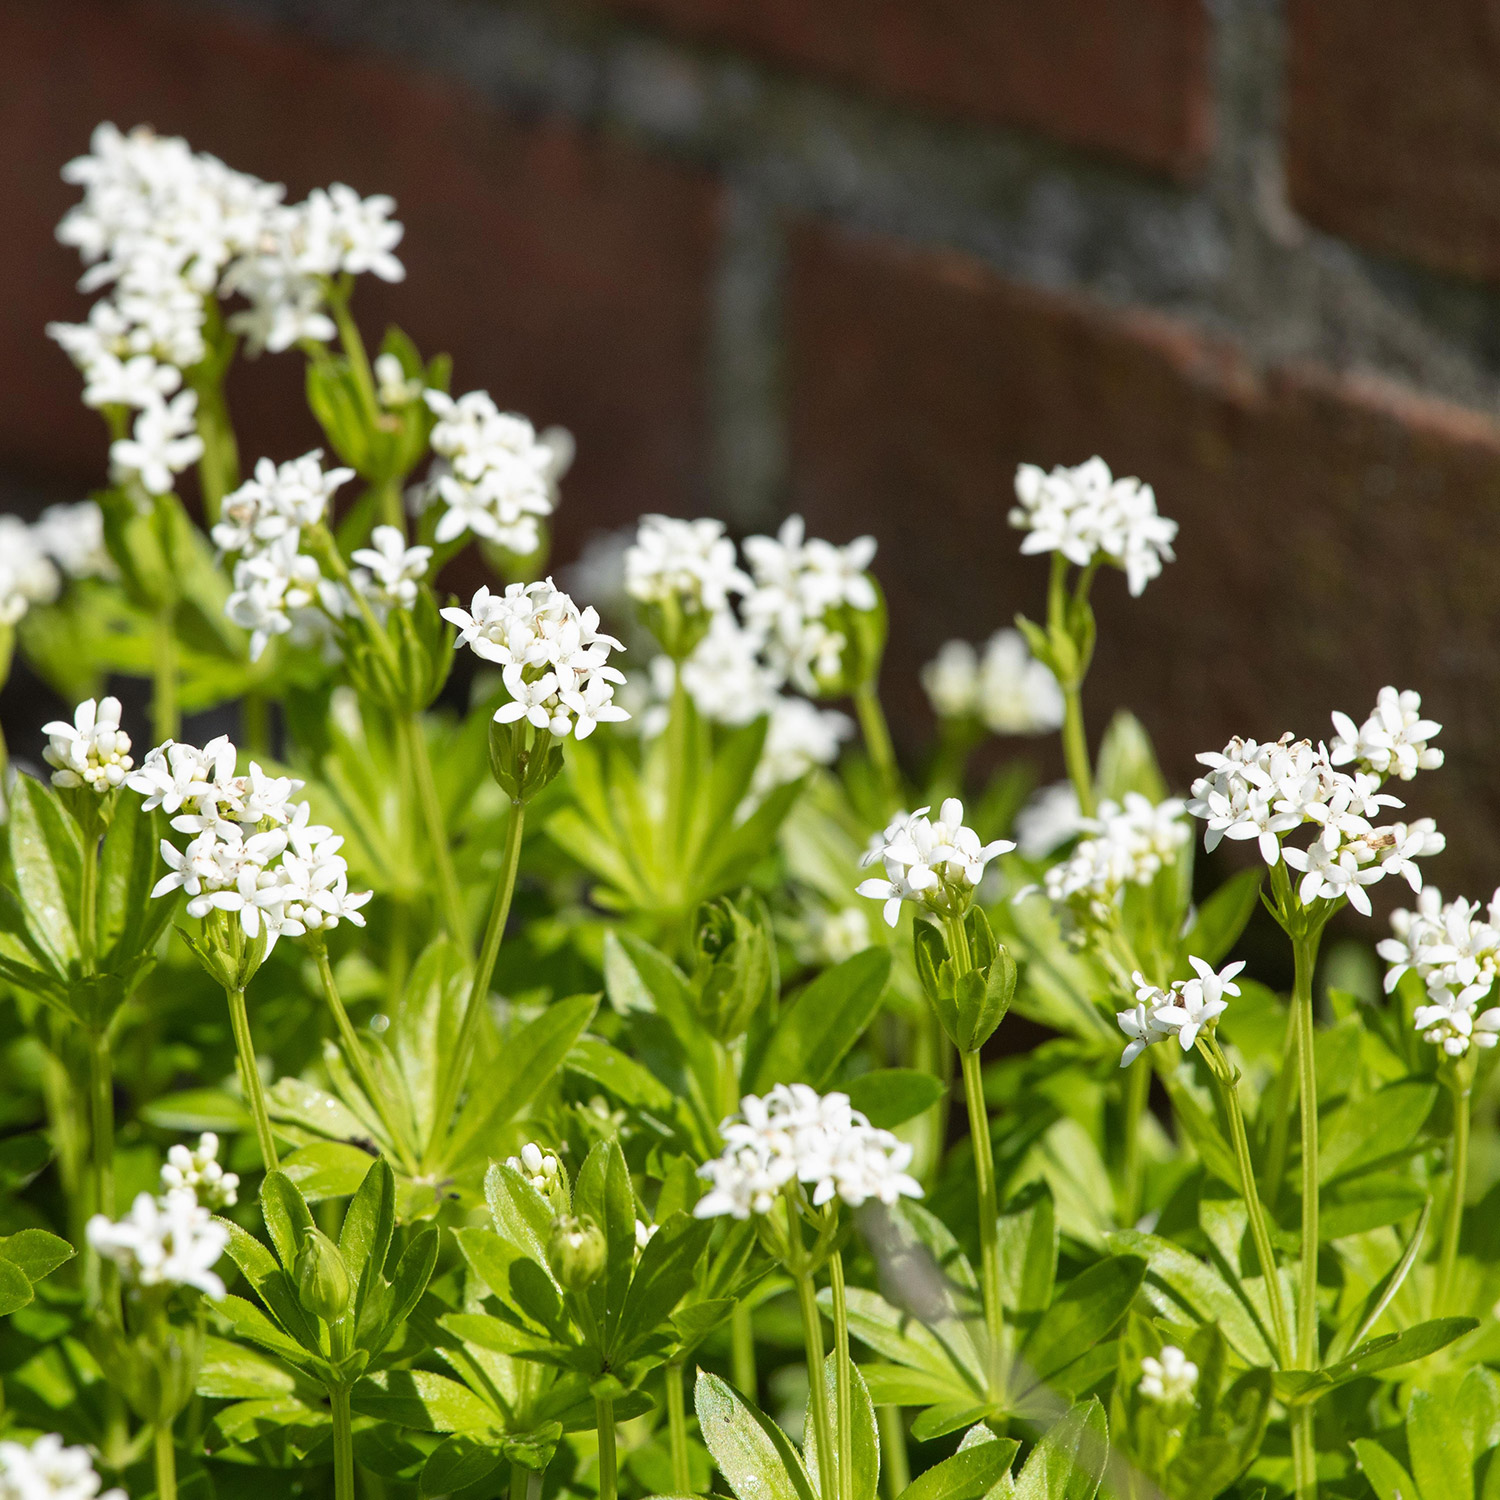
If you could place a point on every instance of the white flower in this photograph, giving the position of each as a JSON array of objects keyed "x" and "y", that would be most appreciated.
[
  {"x": 1050, "y": 818},
  {"x": 1086, "y": 513},
  {"x": 1170, "y": 1380},
  {"x": 46, "y": 1470},
  {"x": 27, "y": 574},
  {"x": 934, "y": 862},
  {"x": 389, "y": 570},
  {"x": 799, "y": 737},
  {"x": 799, "y": 587},
  {"x": 1130, "y": 845},
  {"x": 951, "y": 681},
  {"x": 167, "y": 1241},
  {"x": 199, "y": 1171},
  {"x": 1393, "y": 741},
  {"x": 1141, "y": 1027},
  {"x": 392, "y": 389},
  {"x": 92, "y": 751},
  {"x": 279, "y": 499},
  {"x": 1016, "y": 694},
  {"x": 136, "y": 381},
  {"x": 1184, "y": 1010},
  {"x": 794, "y": 1134},
  {"x": 1455, "y": 951},
  {"x": 692, "y": 562},
  {"x": 73, "y": 537},
  {"x": 496, "y": 476},
  {"x": 537, "y": 1166},
  {"x": 644, "y": 1234},
  {"x": 726, "y": 675},
  {"x": 279, "y": 590},
  {"x": 554, "y": 657},
  {"x": 163, "y": 442}
]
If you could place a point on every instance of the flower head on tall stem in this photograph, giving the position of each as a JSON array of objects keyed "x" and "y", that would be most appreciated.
[{"x": 933, "y": 862}]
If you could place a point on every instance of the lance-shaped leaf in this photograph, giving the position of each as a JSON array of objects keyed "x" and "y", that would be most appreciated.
[{"x": 753, "y": 1454}]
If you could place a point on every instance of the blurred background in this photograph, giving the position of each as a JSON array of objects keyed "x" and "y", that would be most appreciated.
[{"x": 859, "y": 257}]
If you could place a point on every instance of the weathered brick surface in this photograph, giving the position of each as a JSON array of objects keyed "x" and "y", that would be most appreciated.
[
  {"x": 1393, "y": 137},
  {"x": 568, "y": 276},
  {"x": 1336, "y": 534},
  {"x": 1124, "y": 76}
]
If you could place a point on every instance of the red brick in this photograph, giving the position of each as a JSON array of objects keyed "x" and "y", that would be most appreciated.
[
  {"x": 1336, "y": 533},
  {"x": 1129, "y": 77},
  {"x": 1393, "y": 138},
  {"x": 566, "y": 275}
]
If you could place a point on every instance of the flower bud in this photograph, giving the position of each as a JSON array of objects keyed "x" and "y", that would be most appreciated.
[
  {"x": 322, "y": 1278},
  {"x": 734, "y": 970},
  {"x": 576, "y": 1251}
]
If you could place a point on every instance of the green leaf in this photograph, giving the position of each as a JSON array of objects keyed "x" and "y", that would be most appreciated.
[
  {"x": 458, "y": 1462},
  {"x": 753, "y": 1454},
  {"x": 629, "y": 1081},
  {"x": 427, "y": 1401},
  {"x": 1370, "y": 1129},
  {"x": 286, "y": 1216},
  {"x": 231, "y": 1372},
  {"x": 198, "y": 1109},
  {"x": 1027, "y": 1234},
  {"x": 864, "y": 1445},
  {"x": 1356, "y": 1204},
  {"x": 1297, "y": 1387},
  {"x": 825, "y": 1021},
  {"x": 1442, "y": 1462},
  {"x": 664, "y": 1276},
  {"x": 1387, "y": 1478},
  {"x": 47, "y": 858},
  {"x": 603, "y": 1192},
  {"x": 903, "y": 1338},
  {"x": 1088, "y": 1309},
  {"x": 1127, "y": 762},
  {"x": 968, "y": 1475},
  {"x": 35, "y": 1252},
  {"x": 365, "y": 1237},
  {"x": 1069, "y": 1461},
  {"x": 327, "y": 1169},
  {"x": 1368, "y": 1313},
  {"x": 413, "y": 1272},
  {"x": 15, "y": 1288},
  {"x": 129, "y": 919},
  {"x": 889, "y": 1097}
]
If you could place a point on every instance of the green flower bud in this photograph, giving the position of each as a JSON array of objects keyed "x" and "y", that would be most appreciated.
[
  {"x": 576, "y": 1251},
  {"x": 734, "y": 968},
  {"x": 322, "y": 1277}
]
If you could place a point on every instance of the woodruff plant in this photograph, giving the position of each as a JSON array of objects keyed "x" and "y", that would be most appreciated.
[{"x": 544, "y": 1050}]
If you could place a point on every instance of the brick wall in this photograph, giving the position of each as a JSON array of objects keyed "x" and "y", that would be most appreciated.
[{"x": 863, "y": 258}]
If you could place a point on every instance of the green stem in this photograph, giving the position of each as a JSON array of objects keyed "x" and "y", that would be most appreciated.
[
  {"x": 166, "y": 717},
  {"x": 817, "y": 1396},
  {"x": 1137, "y": 1093},
  {"x": 166, "y": 1463},
  {"x": 354, "y": 1051},
  {"x": 844, "y": 1396},
  {"x": 102, "y": 1122},
  {"x": 877, "y": 737},
  {"x": 343, "y": 1443},
  {"x": 989, "y": 1209},
  {"x": 88, "y": 894},
  {"x": 604, "y": 1415},
  {"x": 1076, "y": 749},
  {"x": 742, "y": 1351},
  {"x": 1304, "y": 1452},
  {"x": 1461, "y": 1080},
  {"x": 454, "y": 917},
  {"x": 1281, "y": 1117},
  {"x": 463, "y": 1052},
  {"x": 219, "y": 468},
  {"x": 354, "y": 347},
  {"x": 1305, "y": 950},
  {"x": 255, "y": 723},
  {"x": 1259, "y": 1233},
  {"x": 682, "y": 1478},
  {"x": 250, "y": 1078},
  {"x": 893, "y": 1450},
  {"x": 679, "y": 795}
]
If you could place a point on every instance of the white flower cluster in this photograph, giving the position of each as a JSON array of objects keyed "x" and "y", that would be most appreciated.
[
  {"x": 65, "y": 541},
  {"x": 1050, "y": 818},
  {"x": 553, "y": 656},
  {"x": 799, "y": 736},
  {"x": 1007, "y": 689},
  {"x": 1455, "y": 950},
  {"x": 934, "y": 862},
  {"x": 198, "y": 1170},
  {"x": 1267, "y": 791},
  {"x": 278, "y": 588},
  {"x": 1170, "y": 1380},
  {"x": 165, "y": 1241},
  {"x": 1088, "y": 515},
  {"x": 92, "y": 751},
  {"x": 795, "y": 1134},
  {"x": 1130, "y": 844},
  {"x": 691, "y": 562},
  {"x": 537, "y": 1166},
  {"x": 495, "y": 475},
  {"x": 253, "y": 850},
  {"x": 1182, "y": 1011},
  {"x": 46, "y": 1470},
  {"x": 166, "y": 229},
  {"x": 387, "y": 572}
]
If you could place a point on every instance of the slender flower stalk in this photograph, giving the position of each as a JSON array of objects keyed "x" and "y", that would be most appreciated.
[
  {"x": 844, "y": 1396},
  {"x": 1460, "y": 1079},
  {"x": 677, "y": 1441},
  {"x": 604, "y": 1421},
  {"x": 742, "y": 1351},
  {"x": 479, "y": 990},
  {"x": 450, "y": 899},
  {"x": 165, "y": 1455},
  {"x": 255, "y": 1092},
  {"x": 343, "y": 1443},
  {"x": 812, "y": 1340},
  {"x": 877, "y": 737}
]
